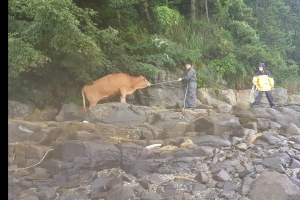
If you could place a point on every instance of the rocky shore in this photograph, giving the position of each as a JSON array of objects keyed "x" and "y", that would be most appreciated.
[{"x": 220, "y": 150}]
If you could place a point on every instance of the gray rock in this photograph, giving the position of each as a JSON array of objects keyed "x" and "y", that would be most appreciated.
[
  {"x": 273, "y": 185},
  {"x": 85, "y": 153},
  {"x": 202, "y": 178},
  {"x": 295, "y": 181},
  {"x": 211, "y": 140},
  {"x": 152, "y": 196},
  {"x": 272, "y": 162},
  {"x": 245, "y": 187},
  {"x": 295, "y": 164},
  {"x": 296, "y": 146},
  {"x": 216, "y": 124},
  {"x": 70, "y": 112},
  {"x": 221, "y": 176},
  {"x": 124, "y": 115},
  {"x": 19, "y": 110},
  {"x": 289, "y": 129}
]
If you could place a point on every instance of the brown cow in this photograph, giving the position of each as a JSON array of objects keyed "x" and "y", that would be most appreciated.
[{"x": 112, "y": 85}]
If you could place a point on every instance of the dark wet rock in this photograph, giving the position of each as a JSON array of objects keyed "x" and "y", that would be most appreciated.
[{"x": 211, "y": 140}]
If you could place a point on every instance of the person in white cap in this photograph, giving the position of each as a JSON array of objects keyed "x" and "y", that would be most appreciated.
[{"x": 265, "y": 83}]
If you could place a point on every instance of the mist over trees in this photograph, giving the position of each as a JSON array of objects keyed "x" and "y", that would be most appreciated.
[{"x": 57, "y": 46}]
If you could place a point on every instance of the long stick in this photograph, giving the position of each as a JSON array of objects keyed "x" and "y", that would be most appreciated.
[{"x": 182, "y": 114}]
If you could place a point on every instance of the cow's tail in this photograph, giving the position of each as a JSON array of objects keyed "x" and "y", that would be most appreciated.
[{"x": 83, "y": 100}]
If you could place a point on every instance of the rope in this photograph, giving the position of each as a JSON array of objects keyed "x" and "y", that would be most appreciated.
[
  {"x": 161, "y": 99},
  {"x": 31, "y": 165},
  {"x": 182, "y": 114},
  {"x": 164, "y": 82},
  {"x": 253, "y": 94}
]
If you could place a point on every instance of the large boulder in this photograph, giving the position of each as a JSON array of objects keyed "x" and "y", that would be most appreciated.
[
  {"x": 122, "y": 114},
  {"x": 208, "y": 97},
  {"x": 280, "y": 96},
  {"x": 273, "y": 185},
  {"x": 100, "y": 154},
  {"x": 217, "y": 124}
]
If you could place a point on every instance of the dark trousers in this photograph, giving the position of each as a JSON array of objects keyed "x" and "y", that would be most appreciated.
[
  {"x": 268, "y": 95},
  {"x": 190, "y": 98}
]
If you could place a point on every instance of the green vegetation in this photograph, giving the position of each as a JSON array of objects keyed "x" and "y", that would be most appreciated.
[{"x": 57, "y": 46}]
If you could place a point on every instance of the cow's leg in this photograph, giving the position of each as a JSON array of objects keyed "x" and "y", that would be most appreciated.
[
  {"x": 123, "y": 99},
  {"x": 93, "y": 101},
  {"x": 123, "y": 95}
]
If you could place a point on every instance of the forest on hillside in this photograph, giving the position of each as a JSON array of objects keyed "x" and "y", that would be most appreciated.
[{"x": 57, "y": 46}]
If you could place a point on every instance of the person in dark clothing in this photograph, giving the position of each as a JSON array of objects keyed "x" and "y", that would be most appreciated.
[
  {"x": 191, "y": 80},
  {"x": 265, "y": 83}
]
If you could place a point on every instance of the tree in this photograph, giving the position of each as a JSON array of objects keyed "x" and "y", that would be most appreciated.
[
  {"x": 193, "y": 10},
  {"x": 51, "y": 36},
  {"x": 57, "y": 29}
]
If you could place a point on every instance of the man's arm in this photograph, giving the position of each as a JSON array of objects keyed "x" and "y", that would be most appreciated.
[{"x": 189, "y": 75}]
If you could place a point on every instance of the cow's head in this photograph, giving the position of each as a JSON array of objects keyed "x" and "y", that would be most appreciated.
[{"x": 142, "y": 83}]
